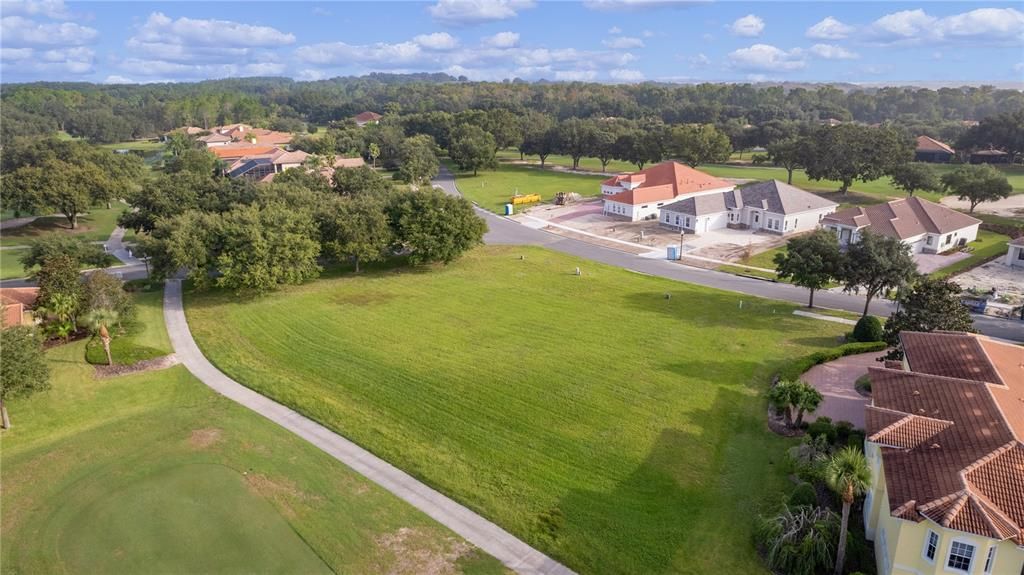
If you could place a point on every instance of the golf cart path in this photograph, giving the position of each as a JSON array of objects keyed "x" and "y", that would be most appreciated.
[{"x": 512, "y": 552}]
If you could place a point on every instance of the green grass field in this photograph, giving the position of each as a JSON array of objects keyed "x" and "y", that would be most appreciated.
[
  {"x": 492, "y": 189},
  {"x": 616, "y": 429},
  {"x": 878, "y": 189},
  {"x": 95, "y": 225},
  {"x": 155, "y": 473},
  {"x": 139, "y": 145},
  {"x": 10, "y": 264}
]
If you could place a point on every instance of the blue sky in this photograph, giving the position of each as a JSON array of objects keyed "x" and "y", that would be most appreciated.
[{"x": 594, "y": 40}]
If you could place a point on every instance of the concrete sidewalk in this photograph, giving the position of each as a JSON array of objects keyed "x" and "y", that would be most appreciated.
[{"x": 512, "y": 552}]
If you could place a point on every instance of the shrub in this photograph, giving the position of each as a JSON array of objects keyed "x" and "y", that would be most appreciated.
[
  {"x": 806, "y": 458},
  {"x": 800, "y": 541},
  {"x": 822, "y": 427},
  {"x": 803, "y": 495},
  {"x": 759, "y": 159},
  {"x": 856, "y": 439},
  {"x": 843, "y": 431},
  {"x": 795, "y": 369},
  {"x": 868, "y": 329},
  {"x": 863, "y": 384}
]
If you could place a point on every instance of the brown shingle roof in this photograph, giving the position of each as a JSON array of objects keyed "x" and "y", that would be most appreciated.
[
  {"x": 950, "y": 433},
  {"x": 904, "y": 218},
  {"x": 363, "y": 117}
]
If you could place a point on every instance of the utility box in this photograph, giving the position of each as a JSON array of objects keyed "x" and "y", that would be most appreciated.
[{"x": 509, "y": 209}]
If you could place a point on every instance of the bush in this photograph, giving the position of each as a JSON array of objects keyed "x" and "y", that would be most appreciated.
[
  {"x": 759, "y": 159},
  {"x": 795, "y": 369},
  {"x": 868, "y": 329},
  {"x": 822, "y": 427},
  {"x": 856, "y": 439},
  {"x": 803, "y": 495},
  {"x": 843, "y": 431},
  {"x": 799, "y": 541}
]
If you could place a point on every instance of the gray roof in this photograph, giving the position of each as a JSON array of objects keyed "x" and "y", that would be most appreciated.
[
  {"x": 1017, "y": 242},
  {"x": 774, "y": 196}
]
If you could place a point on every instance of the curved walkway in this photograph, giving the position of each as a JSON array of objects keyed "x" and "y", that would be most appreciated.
[
  {"x": 512, "y": 552},
  {"x": 835, "y": 380}
]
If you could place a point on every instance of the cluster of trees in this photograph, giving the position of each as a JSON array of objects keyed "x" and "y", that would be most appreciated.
[
  {"x": 109, "y": 113},
  {"x": 67, "y": 176},
  {"x": 237, "y": 235}
]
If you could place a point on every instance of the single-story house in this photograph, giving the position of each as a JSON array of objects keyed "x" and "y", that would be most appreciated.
[
  {"x": 15, "y": 304},
  {"x": 262, "y": 167},
  {"x": 990, "y": 157},
  {"x": 245, "y": 134},
  {"x": 1015, "y": 253},
  {"x": 925, "y": 226},
  {"x": 363, "y": 118},
  {"x": 214, "y": 140},
  {"x": 341, "y": 163},
  {"x": 639, "y": 195},
  {"x": 932, "y": 150},
  {"x": 773, "y": 206}
]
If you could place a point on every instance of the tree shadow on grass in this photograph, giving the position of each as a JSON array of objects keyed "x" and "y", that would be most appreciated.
[
  {"x": 717, "y": 309},
  {"x": 675, "y": 511}
]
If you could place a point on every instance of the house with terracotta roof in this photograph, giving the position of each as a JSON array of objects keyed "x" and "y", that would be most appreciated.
[
  {"x": 640, "y": 195},
  {"x": 16, "y": 305},
  {"x": 262, "y": 167},
  {"x": 363, "y": 118},
  {"x": 945, "y": 441},
  {"x": 772, "y": 206},
  {"x": 925, "y": 226},
  {"x": 245, "y": 135},
  {"x": 932, "y": 150},
  {"x": 1015, "y": 253}
]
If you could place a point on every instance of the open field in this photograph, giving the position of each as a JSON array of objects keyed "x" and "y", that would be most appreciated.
[
  {"x": 155, "y": 473},
  {"x": 95, "y": 225},
  {"x": 614, "y": 428},
  {"x": 492, "y": 189},
  {"x": 879, "y": 189},
  {"x": 139, "y": 145}
]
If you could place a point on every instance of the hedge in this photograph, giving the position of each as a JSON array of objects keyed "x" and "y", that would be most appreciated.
[{"x": 797, "y": 368}]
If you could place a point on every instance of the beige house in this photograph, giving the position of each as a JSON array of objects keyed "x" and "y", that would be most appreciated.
[
  {"x": 1015, "y": 253},
  {"x": 925, "y": 226},
  {"x": 944, "y": 444}
]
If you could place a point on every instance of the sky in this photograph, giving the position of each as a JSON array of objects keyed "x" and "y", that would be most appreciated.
[{"x": 614, "y": 41}]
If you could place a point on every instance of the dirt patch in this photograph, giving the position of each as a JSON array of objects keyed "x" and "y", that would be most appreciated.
[
  {"x": 1011, "y": 207},
  {"x": 283, "y": 492},
  {"x": 157, "y": 363},
  {"x": 363, "y": 298},
  {"x": 416, "y": 552},
  {"x": 203, "y": 438}
]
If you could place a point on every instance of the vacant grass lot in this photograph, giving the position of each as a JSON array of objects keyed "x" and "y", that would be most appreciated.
[
  {"x": 617, "y": 429},
  {"x": 95, "y": 225},
  {"x": 492, "y": 189},
  {"x": 155, "y": 473}
]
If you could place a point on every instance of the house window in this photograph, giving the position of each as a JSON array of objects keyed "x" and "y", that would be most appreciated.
[
  {"x": 960, "y": 556},
  {"x": 949, "y": 237},
  {"x": 677, "y": 219},
  {"x": 687, "y": 221},
  {"x": 661, "y": 204},
  {"x": 931, "y": 546},
  {"x": 1020, "y": 254},
  {"x": 928, "y": 240},
  {"x": 796, "y": 222},
  {"x": 990, "y": 560}
]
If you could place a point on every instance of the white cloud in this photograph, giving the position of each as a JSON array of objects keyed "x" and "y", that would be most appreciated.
[
  {"x": 502, "y": 40},
  {"x": 469, "y": 12},
  {"x": 437, "y": 41},
  {"x": 698, "y": 61},
  {"x": 623, "y": 43},
  {"x": 621, "y": 5},
  {"x": 117, "y": 79},
  {"x": 340, "y": 53},
  {"x": 43, "y": 64},
  {"x": 829, "y": 29},
  {"x": 980, "y": 26},
  {"x": 625, "y": 75},
  {"x": 309, "y": 74},
  {"x": 615, "y": 30},
  {"x": 575, "y": 75},
  {"x": 765, "y": 57},
  {"x": 159, "y": 29},
  {"x": 54, "y": 9},
  {"x": 647, "y": 34},
  {"x": 747, "y": 26},
  {"x": 18, "y": 31},
  {"x": 833, "y": 52}
]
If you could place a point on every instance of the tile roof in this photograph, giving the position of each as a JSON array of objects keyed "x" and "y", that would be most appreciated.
[
  {"x": 367, "y": 117},
  {"x": 773, "y": 195},
  {"x": 233, "y": 152},
  {"x": 664, "y": 181},
  {"x": 904, "y": 218},
  {"x": 926, "y": 144},
  {"x": 950, "y": 431},
  {"x": 24, "y": 295}
]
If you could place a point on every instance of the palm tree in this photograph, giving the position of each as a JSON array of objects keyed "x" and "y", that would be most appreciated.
[
  {"x": 799, "y": 541},
  {"x": 98, "y": 320},
  {"x": 848, "y": 474},
  {"x": 62, "y": 307},
  {"x": 374, "y": 150}
]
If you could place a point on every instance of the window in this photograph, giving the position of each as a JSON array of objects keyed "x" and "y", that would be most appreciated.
[
  {"x": 796, "y": 222},
  {"x": 948, "y": 237},
  {"x": 931, "y": 546},
  {"x": 990, "y": 560},
  {"x": 928, "y": 240},
  {"x": 687, "y": 221},
  {"x": 677, "y": 219},
  {"x": 960, "y": 556},
  {"x": 1020, "y": 254}
]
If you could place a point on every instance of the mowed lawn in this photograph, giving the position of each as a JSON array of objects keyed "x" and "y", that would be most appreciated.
[
  {"x": 155, "y": 473},
  {"x": 615, "y": 428},
  {"x": 95, "y": 225},
  {"x": 492, "y": 189}
]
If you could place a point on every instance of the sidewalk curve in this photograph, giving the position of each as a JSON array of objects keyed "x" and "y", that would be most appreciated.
[{"x": 508, "y": 549}]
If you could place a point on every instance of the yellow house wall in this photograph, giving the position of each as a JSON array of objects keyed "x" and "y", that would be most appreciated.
[{"x": 905, "y": 540}]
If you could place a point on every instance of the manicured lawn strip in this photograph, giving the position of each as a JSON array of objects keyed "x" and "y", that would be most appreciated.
[
  {"x": 95, "y": 225},
  {"x": 989, "y": 245},
  {"x": 492, "y": 189},
  {"x": 742, "y": 271},
  {"x": 765, "y": 259},
  {"x": 156, "y": 473},
  {"x": 10, "y": 264},
  {"x": 614, "y": 428}
]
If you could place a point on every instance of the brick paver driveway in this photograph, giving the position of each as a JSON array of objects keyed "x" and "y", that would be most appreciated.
[{"x": 835, "y": 381}]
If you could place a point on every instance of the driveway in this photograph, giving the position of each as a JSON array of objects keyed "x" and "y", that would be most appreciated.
[
  {"x": 927, "y": 263},
  {"x": 835, "y": 381}
]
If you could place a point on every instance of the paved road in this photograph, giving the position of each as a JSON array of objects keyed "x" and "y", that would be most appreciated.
[
  {"x": 504, "y": 231},
  {"x": 512, "y": 552}
]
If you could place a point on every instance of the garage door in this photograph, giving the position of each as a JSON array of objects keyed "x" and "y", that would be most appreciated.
[{"x": 916, "y": 247}]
